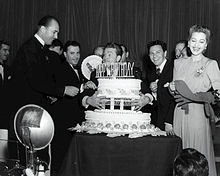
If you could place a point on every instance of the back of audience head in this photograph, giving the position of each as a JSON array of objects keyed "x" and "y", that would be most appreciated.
[
  {"x": 125, "y": 53},
  {"x": 190, "y": 162},
  {"x": 4, "y": 51},
  {"x": 112, "y": 53},
  {"x": 56, "y": 46},
  {"x": 181, "y": 49},
  {"x": 99, "y": 50},
  {"x": 71, "y": 51}
]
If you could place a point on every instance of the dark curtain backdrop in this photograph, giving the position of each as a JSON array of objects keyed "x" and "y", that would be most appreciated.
[{"x": 95, "y": 22}]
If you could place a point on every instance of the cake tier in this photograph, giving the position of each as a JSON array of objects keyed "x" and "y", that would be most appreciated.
[
  {"x": 119, "y": 88},
  {"x": 117, "y": 121}
]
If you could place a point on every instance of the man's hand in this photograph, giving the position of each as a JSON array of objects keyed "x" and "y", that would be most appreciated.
[
  {"x": 139, "y": 103},
  {"x": 98, "y": 102},
  {"x": 89, "y": 85},
  {"x": 153, "y": 86},
  {"x": 172, "y": 86},
  {"x": 71, "y": 91},
  {"x": 169, "y": 129}
]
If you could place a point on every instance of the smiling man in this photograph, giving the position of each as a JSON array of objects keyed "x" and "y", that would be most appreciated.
[
  {"x": 68, "y": 110},
  {"x": 157, "y": 77},
  {"x": 4, "y": 51}
]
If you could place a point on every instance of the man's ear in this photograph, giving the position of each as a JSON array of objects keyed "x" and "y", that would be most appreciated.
[
  {"x": 165, "y": 54},
  {"x": 118, "y": 58},
  {"x": 64, "y": 53},
  {"x": 127, "y": 54},
  {"x": 43, "y": 29}
]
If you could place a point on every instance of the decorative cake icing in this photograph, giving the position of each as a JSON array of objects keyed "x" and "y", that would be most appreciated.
[
  {"x": 119, "y": 88},
  {"x": 117, "y": 84}
]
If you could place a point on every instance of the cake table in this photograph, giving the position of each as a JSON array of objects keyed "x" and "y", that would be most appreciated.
[{"x": 99, "y": 155}]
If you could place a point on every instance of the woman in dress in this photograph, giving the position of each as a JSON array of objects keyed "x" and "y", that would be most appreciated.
[{"x": 200, "y": 74}]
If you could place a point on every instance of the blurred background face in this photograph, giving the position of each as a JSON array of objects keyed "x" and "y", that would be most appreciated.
[
  {"x": 50, "y": 32},
  {"x": 99, "y": 51},
  {"x": 180, "y": 50},
  {"x": 197, "y": 43},
  {"x": 110, "y": 55},
  {"x": 72, "y": 55},
  {"x": 4, "y": 53},
  {"x": 157, "y": 55},
  {"x": 57, "y": 49}
]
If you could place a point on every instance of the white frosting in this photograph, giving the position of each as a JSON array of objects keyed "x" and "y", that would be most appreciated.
[
  {"x": 118, "y": 92},
  {"x": 119, "y": 88},
  {"x": 117, "y": 121},
  {"x": 125, "y": 116}
]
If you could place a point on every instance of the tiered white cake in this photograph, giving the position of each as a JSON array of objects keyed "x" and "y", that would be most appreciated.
[{"x": 116, "y": 83}]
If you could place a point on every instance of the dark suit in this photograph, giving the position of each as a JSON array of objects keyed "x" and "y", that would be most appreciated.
[
  {"x": 32, "y": 76},
  {"x": 4, "y": 94},
  {"x": 70, "y": 105},
  {"x": 163, "y": 108},
  {"x": 32, "y": 81},
  {"x": 69, "y": 112}
]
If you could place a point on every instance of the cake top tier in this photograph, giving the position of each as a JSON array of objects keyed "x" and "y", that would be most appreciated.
[{"x": 115, "y": 70}]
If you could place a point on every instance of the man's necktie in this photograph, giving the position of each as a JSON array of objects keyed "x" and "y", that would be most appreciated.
[{"x": 158, "y": 72}]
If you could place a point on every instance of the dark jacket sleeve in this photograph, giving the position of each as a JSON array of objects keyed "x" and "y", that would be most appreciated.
[{"x": 36, "y": 70}]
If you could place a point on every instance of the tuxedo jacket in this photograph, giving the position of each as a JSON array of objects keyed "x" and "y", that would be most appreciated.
[
  {"x": 7, "y": 76},
  {"x": 68, "y": 112},
  {"x": 32, "y": 82},
  {"x": 66, "y": 76},
  {"x": 163, "y": 106},
  {"x": 5, "y": 102},
  {"x": 32, "y": 76}
]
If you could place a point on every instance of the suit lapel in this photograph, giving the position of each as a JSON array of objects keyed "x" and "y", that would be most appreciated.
[
  {"x": 1, "y": 80},
  {"x": 75, "y": 76},
  {"x": 166, "y": 67}
]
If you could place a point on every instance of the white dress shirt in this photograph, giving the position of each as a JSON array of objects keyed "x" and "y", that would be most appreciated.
[{"x": 2, "y": 71}]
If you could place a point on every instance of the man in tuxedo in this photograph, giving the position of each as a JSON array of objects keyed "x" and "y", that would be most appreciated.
[
  {"x": 69, "y": 110},
  {"x": 4, "y": 81},
  {"x": 157, "y": 76},
  {"x": 32, "y": 80}
]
